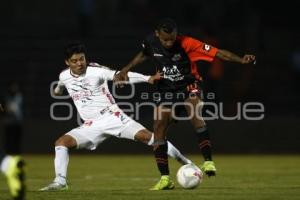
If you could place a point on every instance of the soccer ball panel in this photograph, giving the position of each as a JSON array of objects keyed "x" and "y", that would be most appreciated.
[{"x": 189, "y": 176}]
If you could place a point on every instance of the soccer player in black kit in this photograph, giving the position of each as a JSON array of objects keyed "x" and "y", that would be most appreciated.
[
  {"x": 175, "y": 56},
  {"x": 12, "y": 166}
]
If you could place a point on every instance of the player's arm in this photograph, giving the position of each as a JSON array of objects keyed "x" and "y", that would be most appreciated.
[
  {"x": 229, "y": 56},
  {"x": 59, "y": 89},
  {"x": 139, "y": 58},
  {"x": 137, "y": 77},
  {"x": 198, "y": 50},
  {"x": 122, "y": 75}
]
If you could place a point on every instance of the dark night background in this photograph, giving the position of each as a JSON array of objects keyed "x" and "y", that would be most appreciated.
[{"x": 33, "y": 33}]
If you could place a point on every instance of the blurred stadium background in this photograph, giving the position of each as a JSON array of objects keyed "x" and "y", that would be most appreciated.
[{"x": 33, "y": 33}]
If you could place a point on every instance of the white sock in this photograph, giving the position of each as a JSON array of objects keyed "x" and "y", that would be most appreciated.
[
  {"x": 151, "y": 140},
  {"x": 175, "y": 153},
  {"x": 4, "y": 164},
  {"x": 61, "y": 162}
]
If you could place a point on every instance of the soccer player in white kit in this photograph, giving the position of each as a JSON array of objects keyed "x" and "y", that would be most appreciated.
[{"x": 87, "y": 86}]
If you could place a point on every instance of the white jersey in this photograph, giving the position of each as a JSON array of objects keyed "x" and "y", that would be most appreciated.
[{"x": 89, "y": 91}]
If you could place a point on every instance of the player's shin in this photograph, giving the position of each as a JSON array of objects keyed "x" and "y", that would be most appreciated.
[
  {"x": 173, "y": 152},
  {"x": 204, "y": 142},
  {"x": 61, "y": 162},
  {"x": 161, "y": 156}
]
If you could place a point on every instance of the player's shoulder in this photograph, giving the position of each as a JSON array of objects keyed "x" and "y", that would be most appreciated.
[
  {"x": 96, "y": 66},
  {"x": 93, "y": 64},
  {"x": 151, "y": 41},
  {"x": 65, "y": 73},
  {"x": 188, "y": 40},
  {"x": 150, "y": 38}
]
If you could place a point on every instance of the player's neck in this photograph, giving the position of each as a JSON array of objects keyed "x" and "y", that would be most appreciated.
[{"x": 74, "y": 74}]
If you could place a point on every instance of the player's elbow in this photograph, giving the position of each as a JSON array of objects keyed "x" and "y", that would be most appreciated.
[{"x": 57, "y": 92}]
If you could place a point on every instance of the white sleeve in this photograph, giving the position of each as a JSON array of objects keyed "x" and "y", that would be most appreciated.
[
  {"x": 137, "y": 78},
  {"x": 107, "y": 73},
  {"x": 59, "y": 87}
]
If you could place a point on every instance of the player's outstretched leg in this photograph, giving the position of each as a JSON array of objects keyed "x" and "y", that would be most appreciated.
[
  {"x": 13, "y": 168},
  {"x": 173, "y": 152}
]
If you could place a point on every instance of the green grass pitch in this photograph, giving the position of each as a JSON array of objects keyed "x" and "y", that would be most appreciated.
[{"x": 128, "y": 177}]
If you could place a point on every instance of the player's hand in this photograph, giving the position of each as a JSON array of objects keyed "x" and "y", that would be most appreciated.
[
  {"x": 120, "y": 78},
  {"x": 248, "y": 59},
  {"x": 155, "y": 77}
]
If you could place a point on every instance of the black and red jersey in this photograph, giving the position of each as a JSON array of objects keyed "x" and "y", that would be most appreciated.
[{"x": 178, "y": 64}]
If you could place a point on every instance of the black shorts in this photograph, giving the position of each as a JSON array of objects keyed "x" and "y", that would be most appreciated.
[{"x": 175, "y": 99}]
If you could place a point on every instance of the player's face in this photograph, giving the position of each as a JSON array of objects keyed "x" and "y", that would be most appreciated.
[
  {"x": 77, "y": 63},
  {"x": 167, "y": 40}
]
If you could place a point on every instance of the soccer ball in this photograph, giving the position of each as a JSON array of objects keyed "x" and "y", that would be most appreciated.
[{"x": 189, "y": 176}]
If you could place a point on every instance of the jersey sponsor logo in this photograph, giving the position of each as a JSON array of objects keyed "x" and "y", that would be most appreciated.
[
  {"x": 104, "y": 110},
  {"x": 172, "y": 73},
  {"x": 157, "y": 55},
  {"x": 121, "y": 116},
  {"x": 88, "y": 123},
  {"x": 176, "y": 57},
  {"x": 81, "y": 95},
  {"x": 117, "y": 114},
  {"x": 206, "y": 47}
]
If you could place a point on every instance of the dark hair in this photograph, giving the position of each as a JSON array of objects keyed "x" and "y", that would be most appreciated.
[
  {"x": 73, "y": 48},
  {"x": 167, "y": 25}
]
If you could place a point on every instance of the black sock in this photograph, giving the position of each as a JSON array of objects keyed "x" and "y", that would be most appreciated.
[
  {"x": 161, "y": 157},
  {"x": 204, "y": 142}
]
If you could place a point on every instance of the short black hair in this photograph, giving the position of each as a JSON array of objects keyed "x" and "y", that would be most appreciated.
[
  {"x": 167, "y": 25},
  {"x": 73, "y": 48}
]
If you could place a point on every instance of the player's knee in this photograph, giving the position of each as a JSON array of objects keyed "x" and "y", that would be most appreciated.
[
  {"x": 198, "y": 123},
  {"x": 59, "y": 142},
  {"x": 66, "y": 141},
  {"x": 143, "y": 136},
  {"x": 147, "y": 136}
]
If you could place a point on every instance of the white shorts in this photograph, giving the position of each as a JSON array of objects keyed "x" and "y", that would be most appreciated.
[{"x": 112, "y": 123}]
